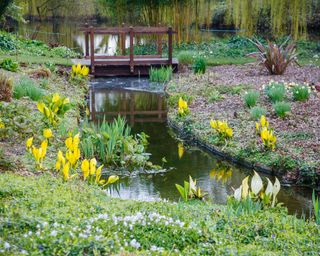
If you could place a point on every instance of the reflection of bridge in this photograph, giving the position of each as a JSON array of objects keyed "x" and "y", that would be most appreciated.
[
  {"x": 136, "y": 106},
  {"x": 104, "y": 65}
]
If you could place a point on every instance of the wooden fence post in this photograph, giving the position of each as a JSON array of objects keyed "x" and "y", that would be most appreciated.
[
  {"x": 131, "y": 50},
  {"x": 92, "y": 50},
  {"x": 159, "y": 45},
  {"x": 170, "y": 45}
]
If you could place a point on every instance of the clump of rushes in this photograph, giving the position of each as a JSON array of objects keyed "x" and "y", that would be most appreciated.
[
  {"x": 160, "y": 75},
  {"x": 185, "y": 58},
  {"x": 300, "y": 92},
  {"x": 257, "y": 112},
  {"x": 267, "y": 137},
  {"x": 79, "y": 71},
  {"x": 199, "y": 65},
  {"x": 27, "y": 88},
  {"x": 275, "y": 91},
  {"x": 250, "y": 98},
  {"x": 183, "y": 108},
  {"x": 282, "y": 108},
  {"x": 222, "y": 128}
]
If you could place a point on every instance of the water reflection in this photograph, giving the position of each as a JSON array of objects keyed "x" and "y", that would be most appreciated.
[{"x": 215, "y": 176}]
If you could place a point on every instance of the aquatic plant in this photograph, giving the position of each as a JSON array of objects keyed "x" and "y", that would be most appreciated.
[
  {"x": 190, "y": 190},
  {"x": 282, "y": 108},
  {"x": 257, "y": 192},
  {"x": 275, "y": 58},
  {"x": 38, "y": 154},
  {"x": 10, "y": 65},
  {"x": 316, "y": 207},
  {"x": 6, "y": 84},
  {"x": 183, "y": 108},
  {"x": 222, "y": 128},
  {"x": 53, "y": 107},
  {"x": 267, "y": 137},
  {"x": 27, "y": 88},
  {"x": 160, "y": 75},
  {"x": 199, "y": 66},
  {"x": 79, "y": 71}
]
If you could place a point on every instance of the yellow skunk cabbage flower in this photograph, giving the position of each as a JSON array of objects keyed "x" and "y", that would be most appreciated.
[
  {"x": 29, "y": 142},
  {"x": 41, "y": 106},
  {"x": 180, "y": 150},
  {"x": 78, "y": 71},
  {"x": 1, "y": 124},
  {"x": 55, "y": 97},
  {"x": 47, "y": 133},
  {"x": 112, "y": 179},
  {"x": 183, "y": 109},
  {"x": 222, "y": 128},
  {"x": 85, "y": 168}
]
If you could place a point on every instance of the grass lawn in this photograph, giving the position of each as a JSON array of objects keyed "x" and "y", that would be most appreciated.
[{"x": 30, "y": 59}]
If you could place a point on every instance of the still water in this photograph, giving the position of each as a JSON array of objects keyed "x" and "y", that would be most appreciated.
[{"x": 143, "y": 104}]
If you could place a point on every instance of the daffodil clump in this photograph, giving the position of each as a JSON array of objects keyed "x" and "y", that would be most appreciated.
[
  {"x": 38, "y": 154},
  {"x": 79, "y": 71},
  {"x": 92, "y": 174},
  {"x": 257, "y": 192},
  {"x": 183, "y": 108},
  {"x": 53, "y": 107},
  {"x": 268, "y": 139},
  {"x": 222, "y": 128}
]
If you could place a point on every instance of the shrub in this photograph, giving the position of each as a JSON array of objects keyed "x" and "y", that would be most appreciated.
[
  {"x": 275, "y": 91},
  {"x": 199, "y": 66},
  {"x": 274, "y": 57},
  {"x": 10, "y": 65},
  {"x": 160, "y": 75},
  {"x": 282, "y": 108},
  {"x": 257, "y": 112},
  {"x": 185, "y": 58},
  {"x": 250, "y": 98},
  {"x": 300, "y": 92},
  {"x": 5, "y": 88},
  {"x": 27, "y": 88}
]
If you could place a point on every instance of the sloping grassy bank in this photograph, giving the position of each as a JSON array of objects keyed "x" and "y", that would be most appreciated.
[{"x": 45, "y": 216}]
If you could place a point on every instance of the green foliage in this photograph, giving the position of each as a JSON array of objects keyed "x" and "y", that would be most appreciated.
[
  {"x": 257, "y": 112},
  {"x": 250, "y": 98},
  {"x": 173, "y": 99},
  {"x": 27, "y": 88},
  {"x": 300, "y": 92},
  {"x": 160, "y": 75},
  {"x": 185, "y": 58},
  {"x": 74, "y": 218},
  {"x": 275, "y": 58},
  {"x": 7, "y": 42},
  {"x": 113, "y": 145},
  {"x": 190, "y": 190},
  {"x": 243, "y": 207},
  {"x": 282, "y": 108},
  {"x": 5, "y": 87},
  {"x": 10, "y": 65},
  {"x": 18, "y": 123},
  {"x": 316, "y": 207},
  {"x": 275, "y": 91},
  {"x": 199, "y": 66}
]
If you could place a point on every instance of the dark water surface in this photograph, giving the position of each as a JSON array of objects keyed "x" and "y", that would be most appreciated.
[{"x": 133, "y": 96}]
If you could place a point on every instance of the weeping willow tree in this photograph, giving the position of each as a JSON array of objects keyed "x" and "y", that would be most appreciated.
[
  {"x": 285, "y": 16},
  {"x": 181, "y": 14}
]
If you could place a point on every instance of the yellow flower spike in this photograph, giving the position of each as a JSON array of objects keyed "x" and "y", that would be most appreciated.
[
  {"x": 93, "y": 164},
  {"x": 98, "y": 173},
  {"x": 180, "y": 150},
  {"x": 263, "y": 121},
  {"x": 68, "y": 142},
  {"x": 74, "y": 68},
  {"x": 66, "y": 101},
  {"x": 84, "y": 71},
  {"x": 41, "y": 107},
  {"x": 60, "y": 156},
  {"x": 180, "y": 103},
  {"x": 76, "y": 140},
  {"x": 78, "y": 68},
  {"x": 29, "y": 142},
  {"x": 47, "y": 133},
  {"x": 112, "y": 179},
  {"x": 229, "y": 132},
  {"x": 85, "y": 168},
  {"x": 213, "y": 124},
  {"x": 55, "y": 97},
  {"x": 58, "y": 166},
  {"x": 65, "y": 171}
]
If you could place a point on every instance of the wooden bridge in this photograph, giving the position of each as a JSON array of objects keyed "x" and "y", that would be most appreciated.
[{"x": 126, "y": 65}]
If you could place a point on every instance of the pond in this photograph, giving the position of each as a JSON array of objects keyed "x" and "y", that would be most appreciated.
[{"x": 144, "y": 106}]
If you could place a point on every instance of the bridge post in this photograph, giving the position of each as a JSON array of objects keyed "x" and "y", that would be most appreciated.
[
  {"x": 86, "y": 41},
  {"x": 92, "y": 50},
  {"x": 159, "y": 45},
  {"x": 170, "y": 45},
  {"x": 123, "y": 42},
  {"x": 131, "y": 50}
]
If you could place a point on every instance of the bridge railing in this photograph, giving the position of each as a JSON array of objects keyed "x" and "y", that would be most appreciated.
[{"x": 130, "y": 59}]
